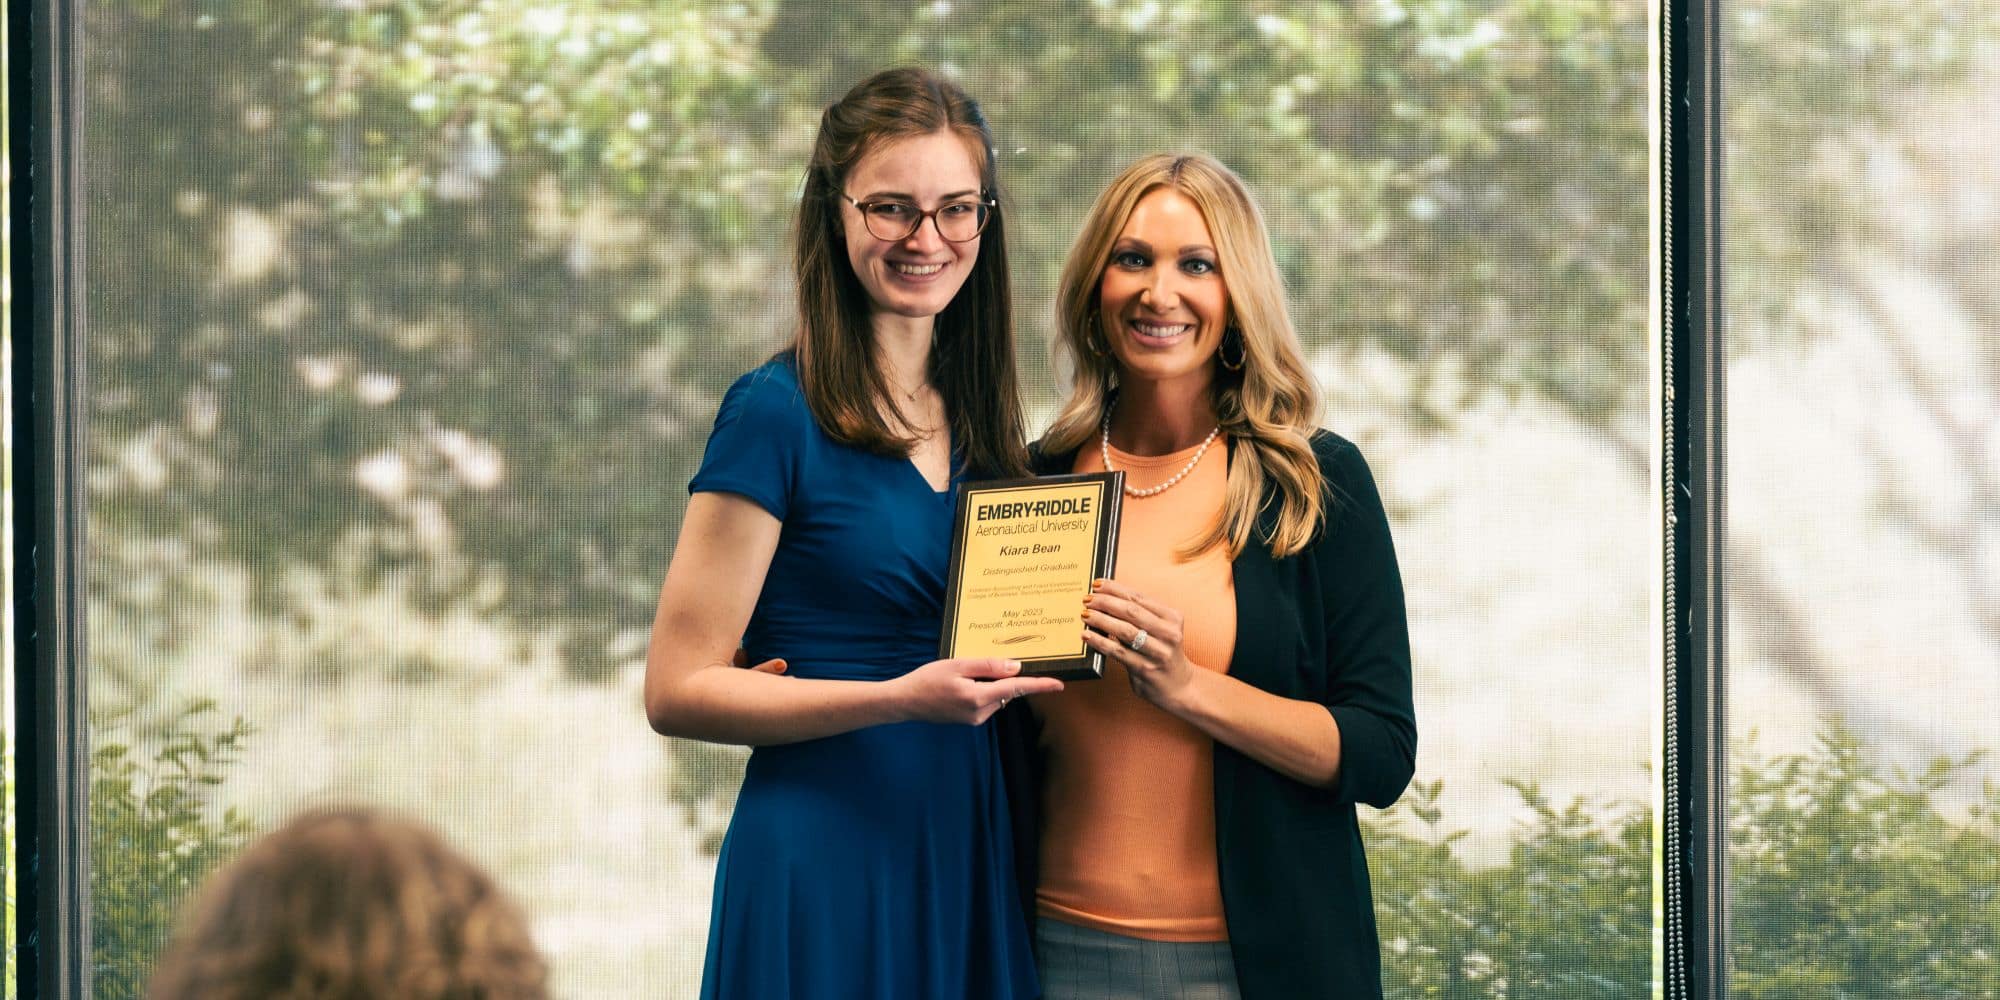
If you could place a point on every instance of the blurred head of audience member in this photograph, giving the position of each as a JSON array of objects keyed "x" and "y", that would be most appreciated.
[{"x": 351, "y": 904}]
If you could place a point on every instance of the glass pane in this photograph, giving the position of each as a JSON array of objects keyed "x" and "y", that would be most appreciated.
[
  {"x": 408, "y": 323},
  {"x": 1864, "y": 468}
]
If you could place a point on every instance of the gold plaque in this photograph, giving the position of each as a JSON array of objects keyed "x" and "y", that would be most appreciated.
[{"x": 1023, "y": 554}]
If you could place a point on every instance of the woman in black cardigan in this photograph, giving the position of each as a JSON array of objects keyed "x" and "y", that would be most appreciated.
[{"x": 1296, "y": 698}]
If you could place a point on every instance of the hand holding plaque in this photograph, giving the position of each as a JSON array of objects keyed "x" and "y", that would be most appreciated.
[{"x": 1023, "y": 555}]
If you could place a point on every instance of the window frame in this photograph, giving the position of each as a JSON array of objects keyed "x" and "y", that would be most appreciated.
[
  {"x": 1693, "y": 819},
  {"x": 48, "y": 409}
]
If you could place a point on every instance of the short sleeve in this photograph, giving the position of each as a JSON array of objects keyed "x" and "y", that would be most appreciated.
[{"x": 759, "y": 440}]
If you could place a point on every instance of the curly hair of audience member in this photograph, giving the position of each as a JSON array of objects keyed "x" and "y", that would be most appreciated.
[{"x": 355, "y": 903}]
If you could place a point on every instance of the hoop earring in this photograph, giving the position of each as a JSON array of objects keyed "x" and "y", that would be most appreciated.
[
  {"x": 1233, "y": 335},
  {"x": 1090, "y": 325}
]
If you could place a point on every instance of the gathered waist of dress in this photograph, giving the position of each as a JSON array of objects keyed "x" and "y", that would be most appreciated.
[
  {"x": 880, "y": 652},
  {"x": 891, "y": 759}
]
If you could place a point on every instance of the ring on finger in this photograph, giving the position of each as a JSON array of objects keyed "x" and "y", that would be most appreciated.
[{"x": 1138, "y": 641}]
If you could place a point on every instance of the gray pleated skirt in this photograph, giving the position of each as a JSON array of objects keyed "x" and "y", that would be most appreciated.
[{"x": 1078, "y": 963}]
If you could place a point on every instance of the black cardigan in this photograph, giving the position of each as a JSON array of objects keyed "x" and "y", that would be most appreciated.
[{"x": 1324, "y": 625}]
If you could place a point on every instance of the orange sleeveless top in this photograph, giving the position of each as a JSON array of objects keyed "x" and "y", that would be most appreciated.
[{"x": 1128, "y": 841}]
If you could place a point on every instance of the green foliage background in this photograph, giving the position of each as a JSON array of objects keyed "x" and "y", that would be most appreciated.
[
  {"x": 1846, "y": 881},
  {"x": 154, "y": 835}
]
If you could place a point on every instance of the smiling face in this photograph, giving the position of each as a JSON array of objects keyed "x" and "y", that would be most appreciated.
[
  {"x": 915, "y": 277},
  {"x": 1162, "y": 301}
]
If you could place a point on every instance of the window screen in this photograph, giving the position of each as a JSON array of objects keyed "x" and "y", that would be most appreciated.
[{"x": 407, "y": 323}]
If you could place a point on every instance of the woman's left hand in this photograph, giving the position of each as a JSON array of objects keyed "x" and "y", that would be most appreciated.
[
  {"x": 1297, "y": 738},
  {"x": 1116, "y": 617}
]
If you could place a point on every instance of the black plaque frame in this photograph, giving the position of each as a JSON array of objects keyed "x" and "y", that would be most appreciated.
[{"x": 1090, "y": 664}]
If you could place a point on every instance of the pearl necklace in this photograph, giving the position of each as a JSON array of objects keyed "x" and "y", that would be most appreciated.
[{"x": 1104, "y": 446}]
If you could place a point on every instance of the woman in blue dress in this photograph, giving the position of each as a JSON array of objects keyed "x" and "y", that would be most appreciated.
[{"x": 869, "y": 852}]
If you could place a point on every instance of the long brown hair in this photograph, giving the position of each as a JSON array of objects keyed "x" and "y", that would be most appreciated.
[
  {"x": 351, "y": 903},
  {"x": 972, "y": 344},
  {"x": 1269, "y": 409}
]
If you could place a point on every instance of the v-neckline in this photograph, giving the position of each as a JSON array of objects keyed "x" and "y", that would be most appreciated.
[{"x": 950, "y": 471}]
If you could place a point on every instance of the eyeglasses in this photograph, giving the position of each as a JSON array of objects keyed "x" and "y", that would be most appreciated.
[{"x": 894, "y": 221}]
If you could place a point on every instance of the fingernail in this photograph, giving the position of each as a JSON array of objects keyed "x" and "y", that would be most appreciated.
[{"x": 1014, "y": 665}]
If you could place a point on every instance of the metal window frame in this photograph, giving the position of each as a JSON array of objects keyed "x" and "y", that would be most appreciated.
[
  {"x": 52, "y": 763},
  {"x": 52, "y": 750},
  {"x": 1694, "y": 889}
]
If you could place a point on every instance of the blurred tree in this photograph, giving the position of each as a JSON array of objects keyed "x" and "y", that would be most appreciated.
[
  {"x": 390, "y": 293},
  {"x": 441, "y": 295},
  {"x": 1854, "y": 185},
  {"x": 492, "y": 262}
]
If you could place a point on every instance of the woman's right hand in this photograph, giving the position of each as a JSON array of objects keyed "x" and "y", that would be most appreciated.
[{"x": 966, "y": 690}]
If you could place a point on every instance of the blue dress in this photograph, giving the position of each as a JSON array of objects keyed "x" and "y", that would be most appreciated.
[{"x": 876, "y": 863}]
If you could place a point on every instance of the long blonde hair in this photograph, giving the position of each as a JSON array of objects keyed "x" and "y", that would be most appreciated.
[{"x": 1268, "y": 409}]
